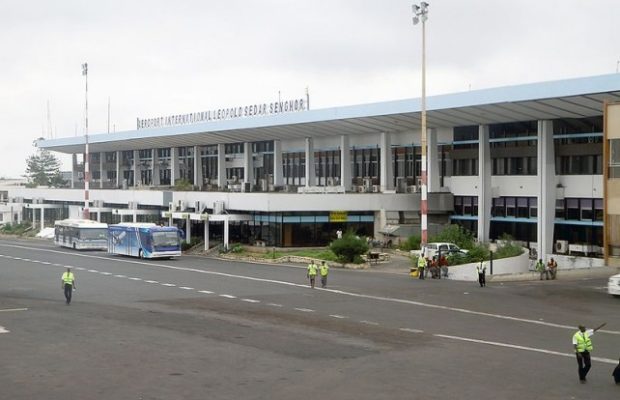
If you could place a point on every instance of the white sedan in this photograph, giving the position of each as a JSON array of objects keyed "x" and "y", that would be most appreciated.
[{"x": 613, "y": 286}]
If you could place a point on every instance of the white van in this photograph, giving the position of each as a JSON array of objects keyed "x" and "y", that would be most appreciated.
[
  {"x": 613, "y": 285},
  {"x": 433, "y": 249}
]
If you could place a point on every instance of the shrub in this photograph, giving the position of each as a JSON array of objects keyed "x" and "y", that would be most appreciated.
[
  {"x": 349, "y": 248},
  {"x": 507, "y": 248},
  {"x": 15, "y": 229},
  {"x": 455, "y": 234},
  {"x": 412, "y": 243},
  {"x": 236, "y": 249}
]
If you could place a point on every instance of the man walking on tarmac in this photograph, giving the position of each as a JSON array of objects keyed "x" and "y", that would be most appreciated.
[
  {"x": 583, "y": 347},
  {"x": 323, "y": 270},
  {"x": 312, "y": 270},
  {"x": 68, "y": 284},
  {"x": 482, "y": 271}
]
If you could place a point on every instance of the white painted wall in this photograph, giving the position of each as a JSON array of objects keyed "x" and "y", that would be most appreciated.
[
  {"x": 582, "y": 185},
  {"x": 512, "y": 265}
]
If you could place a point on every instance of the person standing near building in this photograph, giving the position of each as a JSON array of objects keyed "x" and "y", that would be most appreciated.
[
  {"x": 312, "y": 270},
  {"x": 540, "y": 268},
  {"x": 552, "y": 267},
  {"x": 583, "y": 346},
  {"x": 324, "y": 271},
  {"x": 421, "y": 266},
  {"x": 68, "y": 284},
  {"x": 482, "y": 272}
]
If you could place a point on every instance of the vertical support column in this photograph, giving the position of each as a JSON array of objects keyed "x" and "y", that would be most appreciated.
[
  {"x": 248, "y": 164},
  {"x": 546, "y": 189},
  {"x": 98, "y": 215},
  {"x": 188, "y": 229},
  {"x": 135, "y": 216},
  {"x": 206, "y": 235},
  {"x": 345, "y": 163},
  {"x": 221, "y": 166},
  {"x": 310, "y": 171},
  {"x": 42, "y": 217},
  {"x": 170, "y": 221},
  {"x": 174, "y": 165},
  {"x": 226, "y": 234},
  {"x": 34, "y": 217},
  {"x": 73, "y": 171},
  {"x": 278, "y": 176},
  {"x": 386, "y": 172},
  {"x": 137, "y": 175},
  {"x": 119, "y": 173},
  {"x": 155, "y": 168},
  {"x": 197, "y": 168},
  {"x": 432, "y": 160},
  {"x": 102, "y": 173},
  {"x": 484, "y": 184}
]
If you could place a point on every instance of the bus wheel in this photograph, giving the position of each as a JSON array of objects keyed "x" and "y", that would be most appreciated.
[{"x": 140, "y": 254}]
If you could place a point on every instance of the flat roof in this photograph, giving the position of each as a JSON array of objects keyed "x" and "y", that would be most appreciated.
[{"x": 571, "y": 98}]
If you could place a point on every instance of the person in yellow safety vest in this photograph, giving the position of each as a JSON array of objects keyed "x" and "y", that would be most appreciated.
[
  {"x": 323, "y": 270},
  {"x": 421, "y": 266},
  {"x": 68, "y": 284},
  {"x": 583, "y": 347},
  {"x": 312, "y": 270}
]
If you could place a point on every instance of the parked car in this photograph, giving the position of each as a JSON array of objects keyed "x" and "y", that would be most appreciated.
[
  {"x": 433, "y": 249},
  {"x": 613, "y": 285}
]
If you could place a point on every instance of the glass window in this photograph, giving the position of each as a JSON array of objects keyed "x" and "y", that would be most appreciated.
[
  {"x": 586, "y": 209},
  {"x": 559, "y": 209},
  {"x": 510, "y": 207},
  {"x": 572, "y": 209}
]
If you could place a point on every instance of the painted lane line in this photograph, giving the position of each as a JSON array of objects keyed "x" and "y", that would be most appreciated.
[
  {"x": 58, "y": 265},
  {"x": 2, "y": 330},
  {"x": 186, "y": 288},
  {"x": 135, "y": 279},
  {"x": 517, "y": 347},
  {"x": 338, "y": 316},
  {"x": 46, "y": 263},
  {"x": 250, "y": 300},
  {"x": 105, "y": 273},
  {"x": 340, "y": 292},
  {"x": 411, "y": 330},
  {"x": 228, "y": 296},
  {"x": 120, "y": 276},
  {"x": 13, "y": 309},
  {"x": 168, "y": 284},
  {"x": 93, "y": 270},
  {"x": 274, "y": 305},
  {"x": 80, "y": 268},
  {"x": 369, "y": 322},
  {"x": 151, "y": 281},
  {"x": 16, "y": 258},
  {"x": 304, "y": 309},
  {"x": 205, "y": 291}
]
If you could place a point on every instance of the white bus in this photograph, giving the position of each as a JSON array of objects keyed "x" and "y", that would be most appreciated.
[
  {"x": 144, "y": 240},
  {"x": 81, "y": 234}
]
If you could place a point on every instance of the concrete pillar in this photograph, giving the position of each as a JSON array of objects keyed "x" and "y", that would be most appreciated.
[
  {"x": 432, "y": 161},
  {"x": 170, "y": 220},
  {"x": 226, "y": 234},
  {"x": 206, "y": 235},
  {"x": 386, "y": 175},
  {"x": 98, "y": 215},
  {"x": 345, "y": 163},
  {"x": 485, "y": 193},
  {"x": 102, "y": 174},
  {"x": 42, "y": 218},
  {"x": 135, "y": 215},
  {"x": 248, "y": 164},
  {"x": 310, "y": 171},
  {"x": 278, "y": 175},
  {"x": 188, "y": 230},
  {"x": 546, "y": 189},
  {"x": 34, "y": 217},
  {"x": 221, "y": 166},
  {"x": 155, "y": 168},
  {"x": 174, "y": 165},
  {"x": 197, "y": 168},
  {"x": 73, "y": 171},
  {"x": 137, "y": 175},
  {"x": 119, "y": 173}
]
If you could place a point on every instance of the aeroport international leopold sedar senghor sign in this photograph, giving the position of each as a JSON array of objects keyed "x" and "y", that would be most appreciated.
[{"x": 222, "y": 114}]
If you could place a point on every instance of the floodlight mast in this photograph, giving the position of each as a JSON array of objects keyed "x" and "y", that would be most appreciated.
[
  {"x": 420, "y": 14},
  {"x": 86, "y": 212}
]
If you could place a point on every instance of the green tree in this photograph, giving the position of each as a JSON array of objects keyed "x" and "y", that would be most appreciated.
[
  {"x": 349, "y": 247},
  {"x": 43, "y": 169}
]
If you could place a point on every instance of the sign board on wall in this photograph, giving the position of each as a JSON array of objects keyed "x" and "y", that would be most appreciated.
[{"x": 338, "y": 216}]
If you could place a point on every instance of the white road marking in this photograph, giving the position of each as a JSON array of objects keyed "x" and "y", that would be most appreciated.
[
  {"x": 514, "y": 346},
  {"x": 274, "y": 304},
  {"x": 205, "y": 291},
  {"x": 13, "y": 309},
  {"x": 151, "y": 281},
  {"x": 80, "y": 268},
  {"x": 338, "y": 316},
  {"x": 105, "y": 273},
  {"x": 135, "y": 279},
  {"x": 120, "y": 276},
  {"x": 186, "y": 288},
  {"x": 250, "y": 300},
  {"x": 340, "y": 292},
  {"x": 92, "y": 270},
  {"x": 304, "y": 309},
  {"x": 168, "y": 284},
  {"x": 228, "y": 296},
  {"x": 2, "y": 330},
  {"x": 369, "y": 322},
  {"x": 411, "y": 330},
  {"x": 17, "y": 258}
]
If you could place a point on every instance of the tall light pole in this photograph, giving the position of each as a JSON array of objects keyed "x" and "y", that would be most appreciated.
[
  {"x": 420, "y": 13},
  {"x": 86, "y": 212}
]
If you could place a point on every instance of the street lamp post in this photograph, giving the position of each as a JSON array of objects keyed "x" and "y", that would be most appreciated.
[
  {"x": 86, "y": 212},
  {"x": 420, "y": 14}
]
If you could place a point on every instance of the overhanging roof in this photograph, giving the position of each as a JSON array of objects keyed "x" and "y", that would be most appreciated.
[{"x": 573, "y": 98}]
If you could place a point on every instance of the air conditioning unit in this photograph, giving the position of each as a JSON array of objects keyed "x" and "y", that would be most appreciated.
[
  {"x": 98, "y": 203},
  {"x": 132, "y": 205},
  {"x": 561, "y": 246},
  {"x": 218, "y": 207},
  {"x": 412, "y": 189},
  {"x": 246, "y": 187},
  {"x": 361, "y": 189},
  {"x": 171, "y": 207},
  {"x": 368, "y": 182},
  {"x": 181, "y": 206},
  {"x": 330, "y": 181},
  {"x": 198, "y": 206},
  {"x": 376, "y": 188}
]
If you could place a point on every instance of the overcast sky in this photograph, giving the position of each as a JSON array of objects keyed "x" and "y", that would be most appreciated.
[{"x": 155, "y": 58}]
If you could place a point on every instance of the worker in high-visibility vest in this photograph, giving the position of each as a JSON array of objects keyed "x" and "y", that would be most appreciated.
[
  {"x": 323, "y": 271},
  {"x": 312, "y": 270},
  {"x": 68, "y": 284},
  {"x": 421, "y": 266},
  {"x": 583, "y": 347}
]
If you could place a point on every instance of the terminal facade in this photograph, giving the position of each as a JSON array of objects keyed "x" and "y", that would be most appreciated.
[{"x": 523, "y": 160}]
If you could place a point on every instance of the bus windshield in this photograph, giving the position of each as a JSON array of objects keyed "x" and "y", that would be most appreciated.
[
  {"x": 93, "y": 234},
  {"x": 165, "y": 239}
]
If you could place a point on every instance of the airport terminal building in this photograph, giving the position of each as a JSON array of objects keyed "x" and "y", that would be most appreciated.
[{"x": 525, "y": 160}]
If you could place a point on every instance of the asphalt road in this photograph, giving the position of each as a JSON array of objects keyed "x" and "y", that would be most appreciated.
[{"x": 199, "y": 328}]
